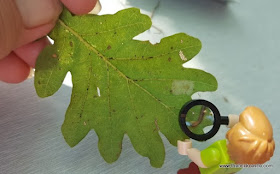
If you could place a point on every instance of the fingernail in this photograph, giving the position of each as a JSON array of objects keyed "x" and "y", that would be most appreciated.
[
  {"x": 38, "y": 12},
  {"x": 97, "y": 8}
]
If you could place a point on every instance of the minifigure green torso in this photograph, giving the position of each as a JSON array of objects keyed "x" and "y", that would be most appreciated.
[{"x": 214, "y": 156}]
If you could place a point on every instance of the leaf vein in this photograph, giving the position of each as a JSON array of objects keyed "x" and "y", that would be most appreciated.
[
  {"x": 86, "y": 96},
  {"x": 48, "y": 81},
  {"x": 115, "y": 68},
  {"x": 114, "y": 29},
  {"x": 173, "y": 80},
  {"x": 110, "y": 109},
  {"x": 157, "y": 56},
  {"x": 137, "y": 121}
]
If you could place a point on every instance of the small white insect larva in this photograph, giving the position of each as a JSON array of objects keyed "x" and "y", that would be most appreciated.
[{"x": 98, "y": 92}]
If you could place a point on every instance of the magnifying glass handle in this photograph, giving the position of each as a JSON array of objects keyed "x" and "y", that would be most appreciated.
[
  {"x": 232, "y": 120},
  {"x": 224, "y": 120}
]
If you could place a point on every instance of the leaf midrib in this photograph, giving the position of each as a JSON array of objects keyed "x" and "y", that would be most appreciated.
[{"x": 110, "y": 64}]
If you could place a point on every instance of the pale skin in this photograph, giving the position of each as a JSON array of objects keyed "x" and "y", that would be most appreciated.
[
  {"x": 24, "y": 25},
  {"x": 185, "y": 147}
]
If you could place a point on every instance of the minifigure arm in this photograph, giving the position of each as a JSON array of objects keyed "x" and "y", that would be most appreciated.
[
  {"x": 232, "y": 120},
  {"x": 195, "y": 156},
  {"x": 206, "y": 158},
  {"x": 185, "y": 148}
]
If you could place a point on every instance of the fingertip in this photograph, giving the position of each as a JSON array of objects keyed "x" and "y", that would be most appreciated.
[
  {"x": 30, "y": 35},
  {"x": 29, "y": 53},
  {"x": 35, "y": 13},
  {"x": 79, "y": 7},
  {"x": 13, "y": 69}
]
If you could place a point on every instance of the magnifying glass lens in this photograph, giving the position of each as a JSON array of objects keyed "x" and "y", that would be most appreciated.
[{"x": 199, "y": 119}]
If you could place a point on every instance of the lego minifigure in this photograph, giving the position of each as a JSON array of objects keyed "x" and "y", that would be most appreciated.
[{"x": 249, "y": 141}]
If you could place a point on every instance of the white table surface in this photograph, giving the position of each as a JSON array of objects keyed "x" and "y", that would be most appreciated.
[{"x": 241, "y": 48}]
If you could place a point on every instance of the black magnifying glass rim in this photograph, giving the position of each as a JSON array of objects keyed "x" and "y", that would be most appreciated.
[{"x": 182, "y": 119}]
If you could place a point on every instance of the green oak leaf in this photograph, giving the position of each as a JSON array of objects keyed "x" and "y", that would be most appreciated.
[{"x": 120, "y": 85}]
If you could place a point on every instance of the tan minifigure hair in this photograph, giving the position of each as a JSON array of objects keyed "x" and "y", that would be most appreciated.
[{"x": 251, "y": 141}]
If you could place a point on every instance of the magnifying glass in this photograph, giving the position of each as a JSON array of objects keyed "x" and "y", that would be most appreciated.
[{"x": 201, "y": 120}]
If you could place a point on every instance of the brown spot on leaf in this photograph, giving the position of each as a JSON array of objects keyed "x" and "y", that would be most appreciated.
[
  {"x": 71, "y": 44},
  {"x": 183, "y": 115},
  {"x": 109, "y": 47},
  {"x": 169, "y": 59},
  {"x": 157, "y": 127},
  {"x": 54, "y": 55}
]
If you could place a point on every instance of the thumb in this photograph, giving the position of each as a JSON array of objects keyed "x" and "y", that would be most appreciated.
[
  {"x": 11, "y": 26},
  {"x": 38, "y": 12},
  {"x": 18, "y": 16}
]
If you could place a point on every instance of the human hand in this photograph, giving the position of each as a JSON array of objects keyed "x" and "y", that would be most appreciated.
[
  {"x": 184, "y": 146},
  {"x": 24, "y": 25}
]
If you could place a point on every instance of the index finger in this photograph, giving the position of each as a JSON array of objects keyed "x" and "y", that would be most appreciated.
[{"x": 79, "y": 7}]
